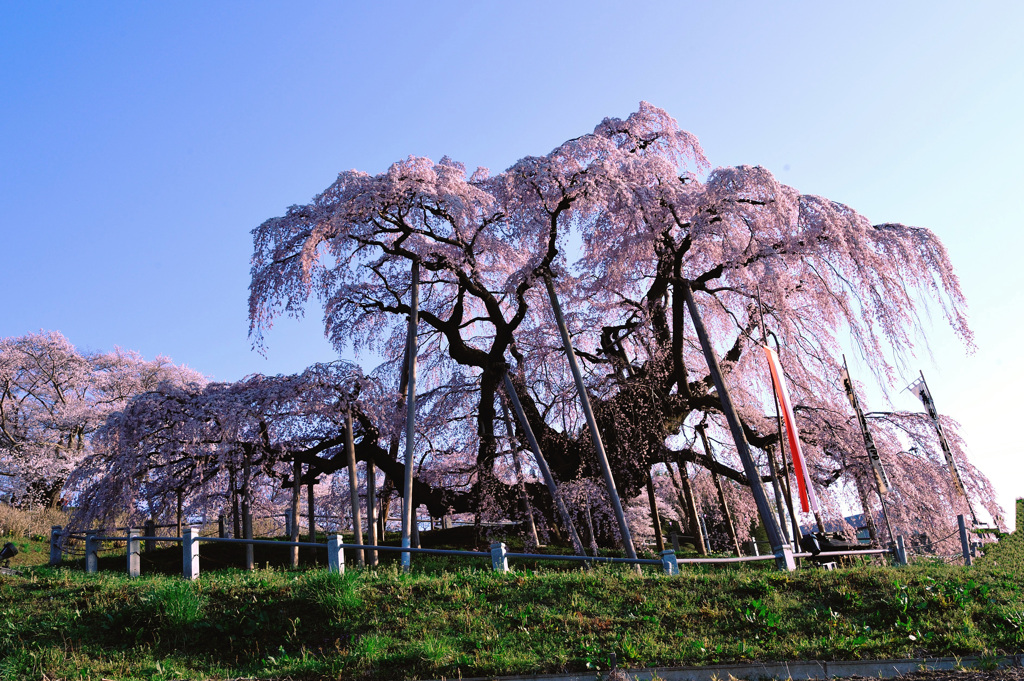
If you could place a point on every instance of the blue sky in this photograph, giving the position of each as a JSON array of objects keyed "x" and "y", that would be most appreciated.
[{"x": 141, "y": 142}]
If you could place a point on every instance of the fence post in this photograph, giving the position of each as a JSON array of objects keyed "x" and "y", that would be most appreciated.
[
  {"x": 668, "y": 562},
  {"x": 150, "y": 531},
  {"x": 92, "y": 546},
  {"x": 499, "y": 557},
  {"x": 901, "y": 550},
  {"x": 784, "y": 558},
  {"x": 335, "y": 554},
  {"x": 222, "y": 528},
  {"x": 964, "y": 544},
  {"x": 133, "y": 552},
  {"x": 56, "y": 555},
  {"x": 288, "y": 520},
  {"x": 190, "y": 552}
]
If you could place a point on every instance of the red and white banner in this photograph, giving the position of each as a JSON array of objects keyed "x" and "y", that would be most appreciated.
[{"x": 808, "y": 499}]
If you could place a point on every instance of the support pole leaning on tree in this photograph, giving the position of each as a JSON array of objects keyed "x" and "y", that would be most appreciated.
[
  {"x": 920, "y": 388},
  {"x": 881, "y": 478},
  {"x": 542, "y": 464},
  {"x": 655, "y": 518},
  {"x": 783, "y": 556},
  {"x": 296, "y": 493},
  {"x": 524, "y": 496},
  {"x": 410, "y": 413},
  {"x": 602, "y": 457},
  {"x": 353, "y": 487},
  {"x": 692, "y": 514},
  {"x": 726, "y": 513}
]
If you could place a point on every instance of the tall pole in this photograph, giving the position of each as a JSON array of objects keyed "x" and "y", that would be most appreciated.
[
  {"x": 777, "y": 488},
  {"x": 729, "y": 524},
  {"x": 542, "y": 464},
  {"x": 659, "y": 539},
  {"x": 410, "y": 413},
  {"x": 531, "y": 526},
  {"x": 581, "y": 389},
  {"x": 371, "y": 511},
  {"x": 353, "y": 486},
  {"x": 881, "y": 479},
  {"x": 783, "y": 557},
  {"x": 699, "y": 542},
  {"x": 920, "y": 388},
  {"x": 296, "y": 493},
  {"x": 655, "y": 520}
]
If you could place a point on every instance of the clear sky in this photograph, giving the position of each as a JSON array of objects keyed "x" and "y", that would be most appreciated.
[{"x": 141, "y": 142}]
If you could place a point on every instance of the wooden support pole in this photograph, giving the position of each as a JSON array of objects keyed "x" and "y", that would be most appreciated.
[
  {"x": 691, "y": 510},
  {"x": 250, "y": 558},
  {"x": 180, "y": 510},
  {"x": 589, "y": 518},
  {"x": 730, "y": 526},
  {"x": 311, "y": 507},
  {"x": 236, "y": 511},
  {"x": 371, "y": 510},
  {"x": 296, "y": 494},
  {"x": 353, "y": 487},
  {"x": 524, "y": 497},
  {"x": 783, "y": 556},
  {"x": 655, "y": 519},
  {"x": 964, "y": 542},
  {"x": 780, "y": 502},
  {"x": 542, "y": 465},
  {"x": 581, "y": 389},
  {"x": 410, "y": 414}
]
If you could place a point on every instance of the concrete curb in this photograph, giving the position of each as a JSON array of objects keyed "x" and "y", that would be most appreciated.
[{"x": 798, "y": 670}]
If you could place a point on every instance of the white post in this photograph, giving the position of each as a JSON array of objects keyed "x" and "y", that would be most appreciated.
[
  {"x": 56, "y": 555},
  {"x": 335, "y": 554},
  {"x": 92, "y": 546},
  {"x": 669, "y": 563},
  {"x": 134, "y": 548},
  {"x": 499, "y": 557},
  {"x": 190, "y": 552},
  {"x": 964, "y": 544}
]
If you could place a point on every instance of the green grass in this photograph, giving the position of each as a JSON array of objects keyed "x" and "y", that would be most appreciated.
[{"x": 446, "y": 621}]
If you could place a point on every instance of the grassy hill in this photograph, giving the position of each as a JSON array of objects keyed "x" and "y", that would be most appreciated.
[{"x": 447, "y": 620}]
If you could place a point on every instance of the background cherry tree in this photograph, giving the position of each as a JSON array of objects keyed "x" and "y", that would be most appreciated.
[
  {"x": 200, "y": 449},
  {"x": 52, "y": 399}
]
